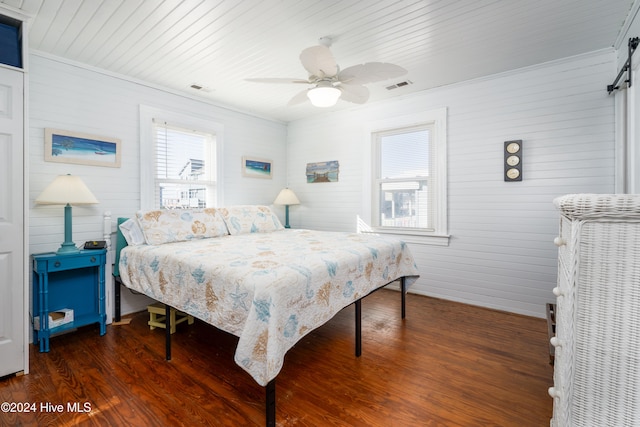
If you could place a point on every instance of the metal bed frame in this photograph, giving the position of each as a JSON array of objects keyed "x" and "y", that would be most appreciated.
[{"x": 270, "y": 388}]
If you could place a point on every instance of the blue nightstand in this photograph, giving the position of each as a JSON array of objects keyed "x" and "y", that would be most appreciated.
[{"x": 73, "y": 281}]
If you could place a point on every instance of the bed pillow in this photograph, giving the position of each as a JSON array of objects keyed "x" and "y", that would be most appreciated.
[
  {"x": 168, "y": 226},
  {"x": 245, "y": 219},
  {"x": 132, "y": 232}
]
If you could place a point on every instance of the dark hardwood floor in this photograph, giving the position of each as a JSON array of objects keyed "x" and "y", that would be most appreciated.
[{"x": 446, "y": 364}]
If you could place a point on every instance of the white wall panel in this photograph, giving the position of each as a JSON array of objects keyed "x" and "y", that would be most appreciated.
[
  {"x": 69, "y": 97},
  {"x": 501, "y": 253}
]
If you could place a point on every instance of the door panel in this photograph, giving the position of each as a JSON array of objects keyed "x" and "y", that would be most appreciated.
[{"x": 12, "y": 316}]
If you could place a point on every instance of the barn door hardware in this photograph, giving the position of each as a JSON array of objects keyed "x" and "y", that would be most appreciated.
[{"x": 633, "y": 44}]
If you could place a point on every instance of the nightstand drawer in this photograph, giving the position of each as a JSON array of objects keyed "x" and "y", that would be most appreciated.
[
  {"x": 51, "y": 263},
  {"x": 70, "y": 263}
]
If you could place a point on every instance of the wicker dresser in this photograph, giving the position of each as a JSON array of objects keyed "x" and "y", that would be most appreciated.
[{"x": 597, "y": 342}]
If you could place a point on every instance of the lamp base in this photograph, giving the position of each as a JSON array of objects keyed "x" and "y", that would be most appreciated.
[
  {"x": 68, "y": 248},
  {"x": 286, "y": 220}
]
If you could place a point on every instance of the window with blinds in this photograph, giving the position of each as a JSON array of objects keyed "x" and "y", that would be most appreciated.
[
  {"x": 404, "y": 180},
  {"x": 185, "y": 167}
]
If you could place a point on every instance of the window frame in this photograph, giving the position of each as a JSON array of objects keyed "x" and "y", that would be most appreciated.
[
  {"x": 147, "y": 149},
  {"x": 437, "y": 118},
  {"x": 185, "y": 185},
  {"x": 379, "y": 181}
]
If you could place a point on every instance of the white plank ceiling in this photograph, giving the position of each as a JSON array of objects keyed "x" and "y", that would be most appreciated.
[{"x": 217, "y": 44}]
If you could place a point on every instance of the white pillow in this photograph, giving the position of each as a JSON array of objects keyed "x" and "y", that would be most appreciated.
[
  {"x": 244, "y": 219},
  {"x": 178, "y": 225},
  {"x": 132, "y": 232}
]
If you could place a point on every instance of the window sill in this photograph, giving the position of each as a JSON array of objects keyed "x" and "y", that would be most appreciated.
[{"x": 415, "y": 236}]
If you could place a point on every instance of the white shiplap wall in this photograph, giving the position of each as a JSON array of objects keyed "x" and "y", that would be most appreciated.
[
  {"x": 70, "y": 97},
  {"x": 501, "y": 253}
]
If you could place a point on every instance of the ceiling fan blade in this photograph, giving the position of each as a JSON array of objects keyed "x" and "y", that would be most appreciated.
[
  {"x": 370, "y": 72},
  {"x": 299, "y": 98},
  {"x": 277, "y": 80},
  {"x": 354, "y": 93},
  {"x": 319, "y": 61}
]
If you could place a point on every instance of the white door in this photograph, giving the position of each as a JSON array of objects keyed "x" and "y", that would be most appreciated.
[{"x": 12, "y": 318}]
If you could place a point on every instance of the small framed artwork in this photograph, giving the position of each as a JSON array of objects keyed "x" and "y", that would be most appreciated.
[
  {"x": 513, "y": 160},
  {"x": 256, "y": 168},
  {"x": 323, "y": 171},
  {"x": 63, "y": 146}
]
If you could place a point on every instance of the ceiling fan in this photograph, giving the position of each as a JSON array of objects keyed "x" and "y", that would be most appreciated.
[{"x": 330, "y": 83}]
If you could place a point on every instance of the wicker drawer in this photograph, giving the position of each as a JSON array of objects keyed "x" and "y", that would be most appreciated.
[
  {"x": 563, "y": 241},
  {"x": 565, "y": 257}
]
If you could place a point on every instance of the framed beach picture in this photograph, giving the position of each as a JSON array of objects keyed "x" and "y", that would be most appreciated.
[
  {"x": 323, "y": 171},
  {"x": 63, "y": 146},
  {"x": 256, "y": 168}
]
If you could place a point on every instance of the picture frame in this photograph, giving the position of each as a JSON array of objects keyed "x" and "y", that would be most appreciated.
[
  {"x": 253, "y": 167},
  {"x": 63, "y": 146},
  {"x": 323, "y": 171}
]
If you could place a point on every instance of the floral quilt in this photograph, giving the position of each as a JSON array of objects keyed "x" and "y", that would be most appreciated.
[{"x": 269, "y": 289}]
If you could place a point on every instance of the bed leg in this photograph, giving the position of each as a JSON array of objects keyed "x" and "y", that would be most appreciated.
[
  {"x": 167, "y": 328},
  {"x": 358, "y": 304},
  {"x": 116, "y": 293},
  {"x": 270, "y": 408},
  {"x": 403, "y": 291}
]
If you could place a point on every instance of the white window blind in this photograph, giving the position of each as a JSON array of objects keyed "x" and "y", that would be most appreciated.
[
  {"x": 405, "y": 179},
  {"x": 185, "y": 167}
]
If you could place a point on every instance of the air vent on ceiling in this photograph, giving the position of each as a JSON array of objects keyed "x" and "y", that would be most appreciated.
[
  {"x": 400, "y": 84},
  {"x": 200, "y": 87}
]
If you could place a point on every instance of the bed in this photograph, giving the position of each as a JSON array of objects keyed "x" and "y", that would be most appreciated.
[{"x": 239, "y": 270}]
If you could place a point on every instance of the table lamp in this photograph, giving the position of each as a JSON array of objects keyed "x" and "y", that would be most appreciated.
[
  {"x": 286, "y": 198},
  {"x": 67, "y": 190}
]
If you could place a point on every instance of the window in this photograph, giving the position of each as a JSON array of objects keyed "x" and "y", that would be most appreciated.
[
  {"x": 403, "y": 178},
  {"x": 408, "y": 186},
  {"x": 184, "y": 167},
  {"x": 180, "y": 164}
]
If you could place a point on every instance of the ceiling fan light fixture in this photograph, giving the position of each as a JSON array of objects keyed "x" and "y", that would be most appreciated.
[{"x": 324, "y": 96}]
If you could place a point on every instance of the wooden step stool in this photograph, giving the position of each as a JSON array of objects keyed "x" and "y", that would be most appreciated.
[{"x": 157, "y": 315}]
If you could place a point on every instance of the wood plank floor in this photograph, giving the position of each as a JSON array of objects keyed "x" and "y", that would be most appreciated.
[{"x": 446, "y": 364}]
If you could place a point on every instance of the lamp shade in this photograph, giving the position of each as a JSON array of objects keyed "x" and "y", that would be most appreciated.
[
  {"x": 66, "y": 189},
  {"x": 324, "y": 95},
  {"x": 286, "y": 197}
]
